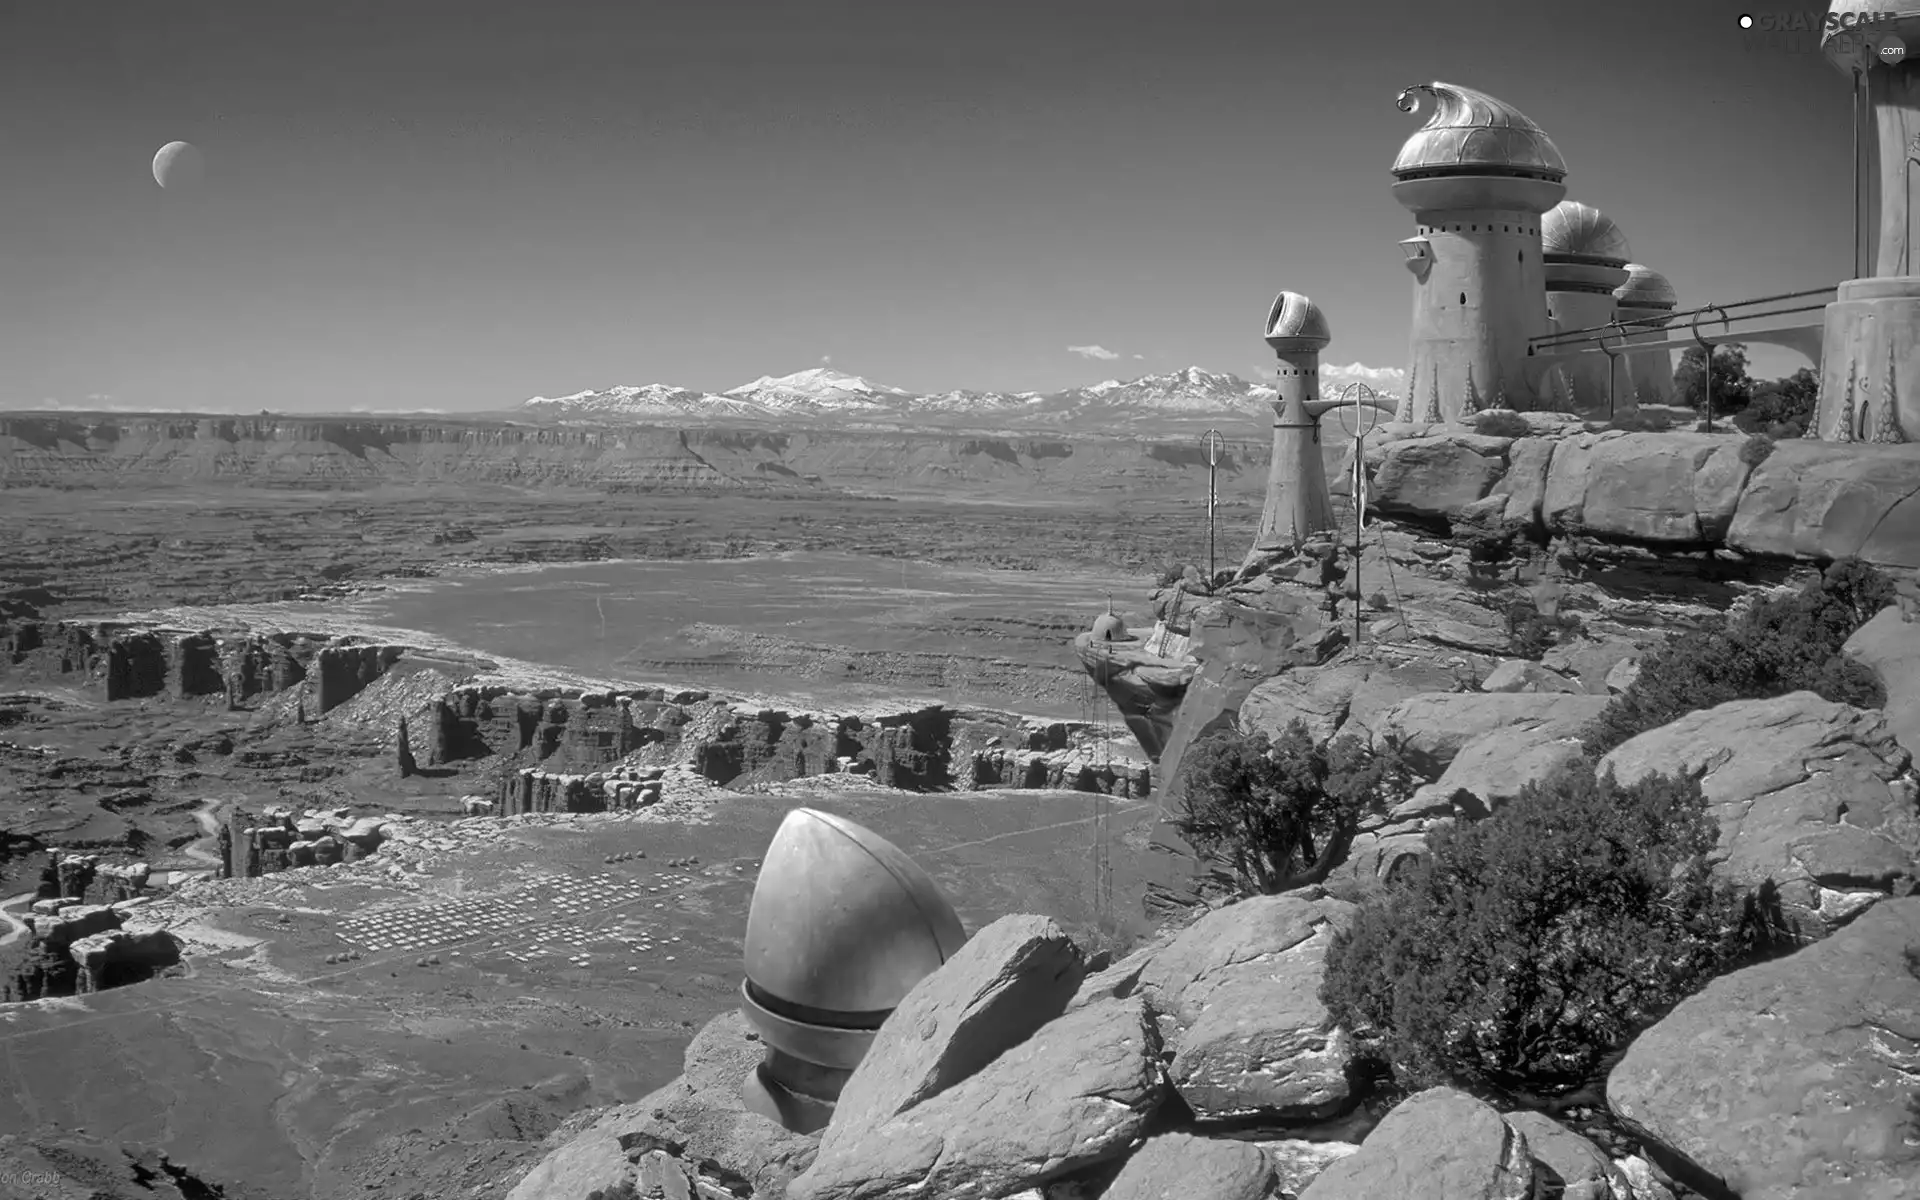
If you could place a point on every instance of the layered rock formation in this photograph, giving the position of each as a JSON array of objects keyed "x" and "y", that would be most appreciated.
[
  {"x": 120, "y": 661},
  {"x": 280, "y": 841},
  {"x": 120, "y": 451},
  {"x": 571, "y": 731},
  {"x": 76, "y": 948}
]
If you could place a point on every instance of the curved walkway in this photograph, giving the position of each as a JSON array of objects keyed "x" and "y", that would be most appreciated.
[{"x": 18, "y": 928}]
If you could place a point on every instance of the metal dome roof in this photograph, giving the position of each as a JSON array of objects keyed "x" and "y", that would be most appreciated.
[
  {"x": 1295, "y": 316},
  {"x": 842, "y": 920},
  {"x": 1645, "y": 288},
  {"x": 1470, "y": 130},
  {"x": 1582, "y": 231}
]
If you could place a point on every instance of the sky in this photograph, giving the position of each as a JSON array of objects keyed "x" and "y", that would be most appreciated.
[{"x": 460, "y": 205}]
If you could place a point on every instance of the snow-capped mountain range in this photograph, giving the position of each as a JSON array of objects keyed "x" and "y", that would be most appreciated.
[{"x": 825, "y": 395}]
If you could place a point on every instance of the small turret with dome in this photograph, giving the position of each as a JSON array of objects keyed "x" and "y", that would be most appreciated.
[
  {"x": 1110, "y": 627},
  {"x": 1477, "y": 176},
  {"x": 1645, "y": 302},
  {"x": 1586, "y": 256},
  {"x": 1295, "y": 324},
  {"x": 1573, "y": 232},
  {"x": 1647, "y": 289},
  {"x": 1298, "y": 503},
  {"x": 841, "y": 926}
]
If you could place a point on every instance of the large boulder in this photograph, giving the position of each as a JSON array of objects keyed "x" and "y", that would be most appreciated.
[
  {"x": 1823, "y": 500},
  {"x": 1439, "y": 1145},
  {"x": 123, "y": 955},
  {"x": 1076, "y": 1094},
  {"x": 1179, "y": 1164},
  {"x": 1348, "y": 697},
  {"x": 1240, "y": 989},
  {"x": 698, "y": 1121},
  {"x": 1794, "y": 1079},
  {"x": 1890, "y": 645},
  {"x": 1521, "y": 675},
  {"x": 1437, "y": 476},
  {"x": 1007, "y": 981},
  {"x": 1580, "y": 1169},
  {"x": 1434, "y": 728},
  {"x": 1808, "y": 793},
  {"x": 1672, "y": 488},
  {"x": 1493, "y": 767}
]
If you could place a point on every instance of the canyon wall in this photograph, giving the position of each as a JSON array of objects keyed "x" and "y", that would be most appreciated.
[
  {"x": 119, "y": 661},
  {"x": 121, "y": 451},
  {"x": 570, "y": 732}
]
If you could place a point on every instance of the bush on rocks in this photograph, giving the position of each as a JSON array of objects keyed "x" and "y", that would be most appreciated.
[
  {"x": 1501, "y": 423},
  {"x": 1532, "y": 945},
  {"x": 1280, "y": 813},
  {"x": 1779, "y": 645}
]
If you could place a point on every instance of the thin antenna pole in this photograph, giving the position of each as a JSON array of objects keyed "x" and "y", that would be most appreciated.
[
  {"x": 1859, "y": 89},
  {"x": 1212, "y": 438}
]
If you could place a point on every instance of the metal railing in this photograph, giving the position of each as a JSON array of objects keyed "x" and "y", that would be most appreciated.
[
  {"x": 1598, "y": 334},
  {"x": 1560, "y": 339}
]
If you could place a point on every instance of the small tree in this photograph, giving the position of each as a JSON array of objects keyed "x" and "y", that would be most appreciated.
[
  {"x": 1533, "y": 944},
  {"x": 1280, "y": 813},
  {"x": 1732, "y": 387},
  {"x": 1782, "y": 408}
]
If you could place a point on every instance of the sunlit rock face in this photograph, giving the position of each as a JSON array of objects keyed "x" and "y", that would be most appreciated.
[{"x": 842, "y": 926}]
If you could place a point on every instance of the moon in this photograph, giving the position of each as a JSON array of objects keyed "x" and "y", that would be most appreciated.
[{"x": 178, "y": 165}]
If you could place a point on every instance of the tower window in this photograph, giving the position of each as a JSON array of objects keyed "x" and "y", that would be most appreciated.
[
  {"x": 1463, "y": 298},
  {"x": 1523, "y": 256}
]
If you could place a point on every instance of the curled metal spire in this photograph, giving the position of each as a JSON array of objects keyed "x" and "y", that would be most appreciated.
[{"x": 1406, "y": 101}]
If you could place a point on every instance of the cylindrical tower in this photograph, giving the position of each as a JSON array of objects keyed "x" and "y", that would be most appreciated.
[
  {"x": 1586, "y": 258},
  {"x": 1476, "y": 176},
  {"x": 1870, "y": 348},
  {"x": 841, "y": 926},
  {"x": 1298, "y": 502},
  {"x": 1648, "y": 298}
]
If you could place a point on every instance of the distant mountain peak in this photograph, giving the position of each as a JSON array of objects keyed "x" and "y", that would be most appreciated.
[
  {"x": 1177, "y": 398},
  {"x": 815, "y": 381}
]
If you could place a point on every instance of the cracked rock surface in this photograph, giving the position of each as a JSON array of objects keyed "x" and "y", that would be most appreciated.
[
  {"x": 1816, "y": 796},
  {"x": 1795, "y": 1078}
]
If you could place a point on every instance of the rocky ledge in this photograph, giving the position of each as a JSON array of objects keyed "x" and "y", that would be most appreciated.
[
  {"x": 1205, "y": 1065},
  {"x": 1802, "y": 499}
]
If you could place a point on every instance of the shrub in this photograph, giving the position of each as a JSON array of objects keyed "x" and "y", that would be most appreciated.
[
  {"x": 1501, "y": 423},
  {"x": 1639, "y": 422},
  {"x": 1533, "y": 944},
  {"x": 1281, "y": 813},
  {"x": 1779, "y": 645},
  {"x": 1531, "y": 633},
  {"x": 1755, "y": 449}
]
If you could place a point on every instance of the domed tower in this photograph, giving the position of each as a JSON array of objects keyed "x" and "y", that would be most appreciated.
[
  {"x": 1298, "y": 502},
  {"x": 1476, "y": 176},
  {"x": 1870, "y": 347},
  {"x": 1586, "y": 257},
  {"x": 841, "y": 926},
  {"x": 1647, "y": 297}
]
